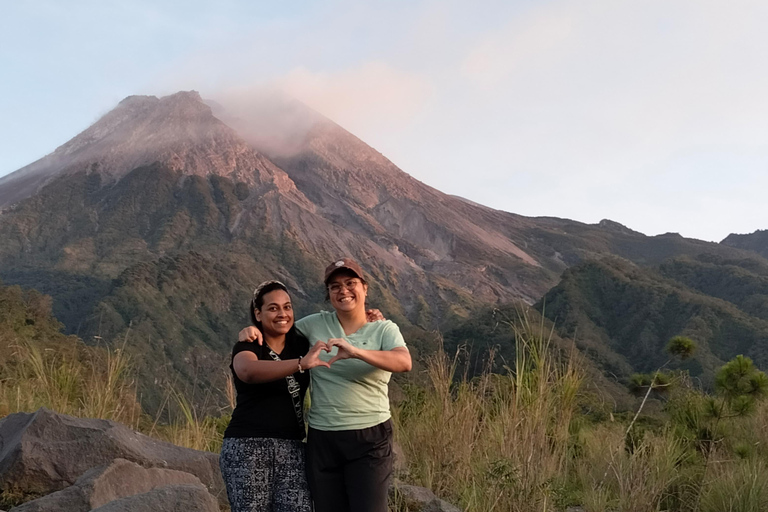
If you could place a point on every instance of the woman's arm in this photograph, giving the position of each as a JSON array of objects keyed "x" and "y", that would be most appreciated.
[
  {"x": 396, "y": 360},
  {"x": 252, "y": 334},
  {"x": 250, "y": 369}
]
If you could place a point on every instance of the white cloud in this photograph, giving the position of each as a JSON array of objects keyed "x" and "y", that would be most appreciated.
[
  {"x": 365, "y": 99},
  {"x": 578, "y": 108}
]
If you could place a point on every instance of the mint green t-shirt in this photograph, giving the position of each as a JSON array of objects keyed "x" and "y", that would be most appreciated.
[{"x": 351, "y": 394}]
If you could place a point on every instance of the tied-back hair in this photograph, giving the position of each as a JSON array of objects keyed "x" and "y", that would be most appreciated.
[{"x": 293, "y": 335}]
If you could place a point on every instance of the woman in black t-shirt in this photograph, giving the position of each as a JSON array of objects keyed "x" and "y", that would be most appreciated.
[{"x": 262, "y": 457}]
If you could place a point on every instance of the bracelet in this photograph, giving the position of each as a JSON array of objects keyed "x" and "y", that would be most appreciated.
[{"x": 301, "y": 370}]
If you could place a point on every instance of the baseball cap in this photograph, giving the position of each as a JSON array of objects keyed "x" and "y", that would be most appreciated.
[{"x": 341, "y": 264}]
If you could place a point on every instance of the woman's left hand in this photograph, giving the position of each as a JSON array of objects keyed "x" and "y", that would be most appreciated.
[
  {"x": 346, "y": 351},
  {"x": 312, "y": 359}
]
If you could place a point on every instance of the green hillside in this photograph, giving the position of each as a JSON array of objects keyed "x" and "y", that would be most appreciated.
[
  {"x": 41, "y": 367},
  {"x": 622, "y": 315}
]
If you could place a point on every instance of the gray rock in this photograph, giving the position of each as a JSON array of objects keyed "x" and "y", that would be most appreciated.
[
  {"x": 171, "y": 498},
  {"x": 412, "y": 496},
  {"x": 419, "y": 499},
  {"x": 439, "y": 505},
  {"x": 104, "y": 484},
  {"x": 44, "y": 451}
]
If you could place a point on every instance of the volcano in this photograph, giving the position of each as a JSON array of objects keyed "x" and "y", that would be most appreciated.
[{"x": 153, "y": 225}]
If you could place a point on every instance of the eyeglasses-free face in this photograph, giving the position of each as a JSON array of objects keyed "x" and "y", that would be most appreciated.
[
  {"x": 343, "y": 284},
  {"x": 276, "y": 314}
]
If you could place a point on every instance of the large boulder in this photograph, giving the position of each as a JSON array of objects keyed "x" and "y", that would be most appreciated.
[
  {"x": 44, "y": 451},
  {"x": 171, "y": 498},
  {"x": 104, "y": 484}
]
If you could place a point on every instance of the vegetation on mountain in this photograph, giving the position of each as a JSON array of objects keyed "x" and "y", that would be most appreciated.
[
  {"x": 156, "y": 222},
  {"x": 757, "y": 242},
  {"x": 40, "y": 367},
  {"x": 742, "y": 282},
  {"x": 622, "y": 315}
]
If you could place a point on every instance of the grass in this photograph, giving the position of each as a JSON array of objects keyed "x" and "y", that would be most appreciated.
[
  {"x": 78, "y": 381},
  {"x": 519, "y": 441},
  {"x": 89, "y": 382},
  {"x": 523, "y": 441},
  {"x": 498, "y": 442}
]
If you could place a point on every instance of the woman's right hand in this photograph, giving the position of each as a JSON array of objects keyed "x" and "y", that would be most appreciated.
[
  {"x": 251, "y": 334},
  {"x": 312, "y": 359}
]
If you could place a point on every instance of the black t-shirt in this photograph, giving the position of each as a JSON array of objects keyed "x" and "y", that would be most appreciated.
[{"x": 266, "y": 409}]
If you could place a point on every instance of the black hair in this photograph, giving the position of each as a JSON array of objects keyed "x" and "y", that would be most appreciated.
[
  {"x": 293, "y": 335},
  {"x": 258, "y": 300},
  {"x": 349, "y": 272}
]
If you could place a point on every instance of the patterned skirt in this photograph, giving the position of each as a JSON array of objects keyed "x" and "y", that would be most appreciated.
[{"x": 265, "y": 474}]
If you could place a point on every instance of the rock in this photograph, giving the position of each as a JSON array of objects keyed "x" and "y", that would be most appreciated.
[
  {"x": 419, "y": 499},
  {"x": 104, "y": 484},
  {"x": 439, "y": 505},
  {"x": 44, "y": 451},
  {"x": 171, "y": 498},
  {"x": 412, "y": 496}
]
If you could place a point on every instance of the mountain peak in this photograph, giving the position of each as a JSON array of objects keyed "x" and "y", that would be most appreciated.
[
  {"x": 139, "y": 100},
  {"x": 178, "y": 130}
]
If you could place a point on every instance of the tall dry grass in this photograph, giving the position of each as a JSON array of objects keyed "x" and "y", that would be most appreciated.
[
  {"x": 519, "y": 441},
  {"x": 644, "y": 478},
  {"x": 189, "y": 428},
  {"x": 97, "y": 383},
  {"x": 736, "y": 486},
  {"x": 80, "y": 382},
  {"x": 498, "y": 442},
  {"x": 512, "y": 442}
]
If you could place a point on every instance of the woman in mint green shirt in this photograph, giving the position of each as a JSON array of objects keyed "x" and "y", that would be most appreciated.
[{"x": 349, "y": 442}]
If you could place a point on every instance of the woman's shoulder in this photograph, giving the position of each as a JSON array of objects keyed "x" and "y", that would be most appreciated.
[
  {"x": 388, "y": 332},
  {"x": 384, "y": 326},
  {"x": 245, "y": 346},
  {"x": 320, "y": 318}
]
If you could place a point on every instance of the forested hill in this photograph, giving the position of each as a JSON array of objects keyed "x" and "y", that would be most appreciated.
[
  {"x": 151, "y": 227},
  {"x": 757, "y": 242},
  {"x": 622, "y": 315}
]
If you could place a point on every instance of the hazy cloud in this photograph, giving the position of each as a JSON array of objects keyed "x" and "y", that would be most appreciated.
[{"x": 576, "y": 108}]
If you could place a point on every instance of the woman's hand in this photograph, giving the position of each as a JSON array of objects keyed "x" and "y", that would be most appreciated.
[
  {"x": 312, "y": 359},
  {"x": 250, "y": 334},
  {"x": 374, "y": 315},
  {"x": 346, "y": 351}
]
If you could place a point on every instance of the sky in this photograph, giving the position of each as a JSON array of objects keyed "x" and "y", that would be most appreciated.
[{"x": 650, "y": 113}]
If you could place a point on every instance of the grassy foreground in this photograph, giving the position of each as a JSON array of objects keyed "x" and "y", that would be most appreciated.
[
  {"x": 528, "y": 440},
  {"x": 534, "y": 440}
]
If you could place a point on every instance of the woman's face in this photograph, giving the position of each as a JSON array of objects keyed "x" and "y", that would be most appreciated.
[
  {"x": 276, "y": 314},
  {"x": 346, "y": 291}
]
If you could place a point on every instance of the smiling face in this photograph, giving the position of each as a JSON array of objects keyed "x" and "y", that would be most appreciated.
[
  {"x": 346, "y": 291},
  {"x": 276, "y": 314}
]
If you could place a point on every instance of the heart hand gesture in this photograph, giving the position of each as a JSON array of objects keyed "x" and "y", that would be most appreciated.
[
  {"x": 312, "y": 359},
  {"x": 346, "y": 351}
]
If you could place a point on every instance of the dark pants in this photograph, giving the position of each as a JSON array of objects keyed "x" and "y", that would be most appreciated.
[{"x": 350, "y": 470}]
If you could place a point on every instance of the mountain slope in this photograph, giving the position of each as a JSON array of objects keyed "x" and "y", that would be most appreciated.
[
  {"x": 178, "y": 130},
  {"x": 757, "y": 242},
  {"x": 622, "y": 315},
  {"x": 154, "y": 224}
]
